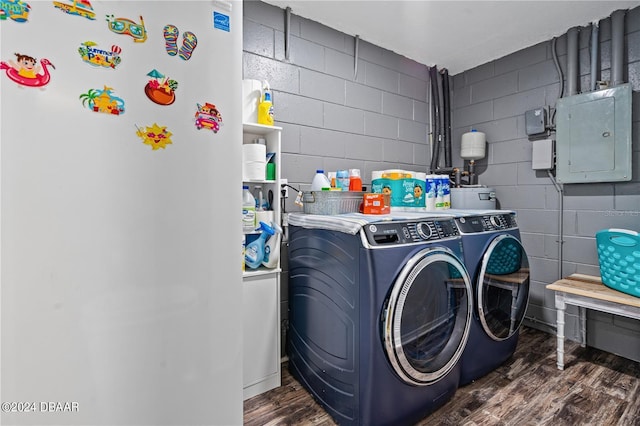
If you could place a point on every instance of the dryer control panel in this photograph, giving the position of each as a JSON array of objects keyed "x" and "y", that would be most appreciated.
[
  {"x": 486, "y": 223},
  {"x": 410, "y": 232}
]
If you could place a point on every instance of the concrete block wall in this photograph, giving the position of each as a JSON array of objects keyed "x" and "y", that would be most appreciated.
[
  {"x": 379, "y": 119},
  {"x": 333, "y": 118},
  {"x": 493, "y": 98}
]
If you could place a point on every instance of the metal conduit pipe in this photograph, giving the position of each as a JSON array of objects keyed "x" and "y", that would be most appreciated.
[
  {"x": 287, "y": 33},
  {"x": 572, "y": 61},
  {"x": 446, "y": 106},
  {"x": 617, "y": 47},
  {"x": 435, "y": 155},
  {"x": 560, "y": 222},
  {"x": 594, "y": 55}
]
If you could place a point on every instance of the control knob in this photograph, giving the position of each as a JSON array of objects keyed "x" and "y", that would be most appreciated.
[
  {"x": 424, "y": 231},
  {"x": 495, "y": 221}
]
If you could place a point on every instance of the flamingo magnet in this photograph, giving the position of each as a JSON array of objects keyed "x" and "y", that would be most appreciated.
[{"x": 27, "y": 71}]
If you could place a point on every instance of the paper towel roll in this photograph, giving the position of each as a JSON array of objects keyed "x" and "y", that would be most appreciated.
[
  {"x": 254, "y": 152},
  {"x": 253, "y": 170},
  {"x": 251, "y": 92},
  {"x": 254, "y": 161}
]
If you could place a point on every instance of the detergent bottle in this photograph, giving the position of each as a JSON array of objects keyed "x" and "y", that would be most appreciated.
[
  {"x": 272, "y": 249},
  {"x": 254, "y": 252},
  {"x": 265, "y": 108}
]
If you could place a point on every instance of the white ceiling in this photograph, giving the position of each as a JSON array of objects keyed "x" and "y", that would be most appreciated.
[{"x": 457, "y": 35}]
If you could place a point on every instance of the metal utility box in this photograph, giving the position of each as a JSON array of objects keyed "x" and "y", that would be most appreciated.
[{"x": 593, "y": 136}]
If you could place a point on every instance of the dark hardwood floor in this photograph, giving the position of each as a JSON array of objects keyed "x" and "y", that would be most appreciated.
[{"x": 595, "y": 388}]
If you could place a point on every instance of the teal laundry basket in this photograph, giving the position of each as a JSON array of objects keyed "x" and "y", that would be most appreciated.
[{"x": 619, "y": 257}]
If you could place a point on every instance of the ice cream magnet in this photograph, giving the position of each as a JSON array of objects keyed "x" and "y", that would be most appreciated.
[
  {"x": 155, "y": 136},
  {"x": 127, "y": 27},
  {"x": 98, "y": 57},
  {"x": 77, "y": 7},
  {"x": 16, "y": 10},
  {"x": 160, "y": 89},
  {"x": 208, "y": 117},
  {"x": 103, "y": 100},
  {"x": 26, "y": 70}
]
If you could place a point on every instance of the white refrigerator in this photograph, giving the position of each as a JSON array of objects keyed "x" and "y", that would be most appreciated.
[{"x": 120, "y": 195}]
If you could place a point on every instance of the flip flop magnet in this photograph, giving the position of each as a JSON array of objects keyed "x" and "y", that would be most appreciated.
[
  {"x": 170, "y": 33},
  {"x": 188, "y": 45}
]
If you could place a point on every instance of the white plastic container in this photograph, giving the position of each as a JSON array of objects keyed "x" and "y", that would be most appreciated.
[
  {"x": 473, "y": 145},
  {"x": 248, "y": 210},
  {"x": 320, "y": 180}
]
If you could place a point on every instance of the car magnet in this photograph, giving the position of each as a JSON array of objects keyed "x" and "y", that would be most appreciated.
[{"x": 208, "y": 117}]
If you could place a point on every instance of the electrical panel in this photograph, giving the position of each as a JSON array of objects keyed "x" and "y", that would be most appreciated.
[{"x": 593, "y": 136}]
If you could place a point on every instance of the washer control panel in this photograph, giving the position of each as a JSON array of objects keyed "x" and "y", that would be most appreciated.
[
  {"x": 486, "y": 223},
  {"x": 410, "y": 232}
]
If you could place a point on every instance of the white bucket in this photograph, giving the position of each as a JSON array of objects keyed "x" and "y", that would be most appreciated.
[{"x": 251, "y": 92}]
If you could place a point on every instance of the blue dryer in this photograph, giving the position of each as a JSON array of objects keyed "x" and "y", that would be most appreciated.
[
  {"x": 378, "y": 320},
  {"x": 499, "y": 267}
]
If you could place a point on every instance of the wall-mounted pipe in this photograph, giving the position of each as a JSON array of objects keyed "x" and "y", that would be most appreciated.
[
  {"x": 355, "y": 57},
  {"x": 287, "y": 32},
  {"x": 594, "y": 55},
  {"x": 435, "y": 106},
  {"x": 446, "y": 107},
  {"x": 573, "y": 73},
  {"x": 617, "y": 47}
]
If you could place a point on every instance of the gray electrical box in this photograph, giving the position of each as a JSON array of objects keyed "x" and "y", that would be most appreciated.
[
  {"x": 593, "y": 136},
  {"x": 535, "y": 121}
]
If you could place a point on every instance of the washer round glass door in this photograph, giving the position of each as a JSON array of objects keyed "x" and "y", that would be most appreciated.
[
  {"x": 503, "y": 287},
  {"x": 427, "y": 316}
]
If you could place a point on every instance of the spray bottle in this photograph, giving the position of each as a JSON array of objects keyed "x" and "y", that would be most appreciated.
[
  {"x": 265, "y": 108},
  {"x": 254, "y": 252},
  {"x": 272, "y": 249}
]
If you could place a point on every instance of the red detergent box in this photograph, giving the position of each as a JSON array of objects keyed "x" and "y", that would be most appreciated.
[{"x": 375, "y": 204}]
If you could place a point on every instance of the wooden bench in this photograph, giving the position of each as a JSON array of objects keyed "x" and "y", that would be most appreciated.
[{"x": 586, "y": 291}]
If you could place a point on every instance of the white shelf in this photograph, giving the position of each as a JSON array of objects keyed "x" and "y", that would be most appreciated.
[{"x": 261, "y": 288}]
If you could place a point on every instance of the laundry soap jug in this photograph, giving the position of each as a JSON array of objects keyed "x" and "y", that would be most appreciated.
[
  {"x": 272, "y": 249},
  {"x": 265, "y": 108},
  {"x": 254, "y": 252},
  {"x": 320, "y": 180}
]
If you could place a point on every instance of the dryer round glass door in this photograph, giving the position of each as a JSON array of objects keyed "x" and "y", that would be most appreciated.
[
  {"x": 427, "y": 316},
  {"x": 503, "y": 287}
]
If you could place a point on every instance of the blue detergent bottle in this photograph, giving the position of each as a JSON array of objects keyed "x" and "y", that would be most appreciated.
[{"x": 254, "y": 252}]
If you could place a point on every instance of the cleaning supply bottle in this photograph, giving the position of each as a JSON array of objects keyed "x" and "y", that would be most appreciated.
[
  {"x": 355, "y": 181},
  {"x": 342, "y": 180},
  {"x": 320, "y": 181},
  {"x": 265, "y": 108},
  {"x": 254, "y": 252},
  {"x": 248, "y": 210},
  {"x": 272, "y": 249}
]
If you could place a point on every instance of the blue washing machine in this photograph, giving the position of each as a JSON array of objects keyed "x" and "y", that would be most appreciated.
[
  {"x": 499, "y": 267},
  {"x": 378, "y": 319}
]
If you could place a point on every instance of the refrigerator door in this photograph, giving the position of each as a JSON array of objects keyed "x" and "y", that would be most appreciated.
[{"x": 119, "y": 303}]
